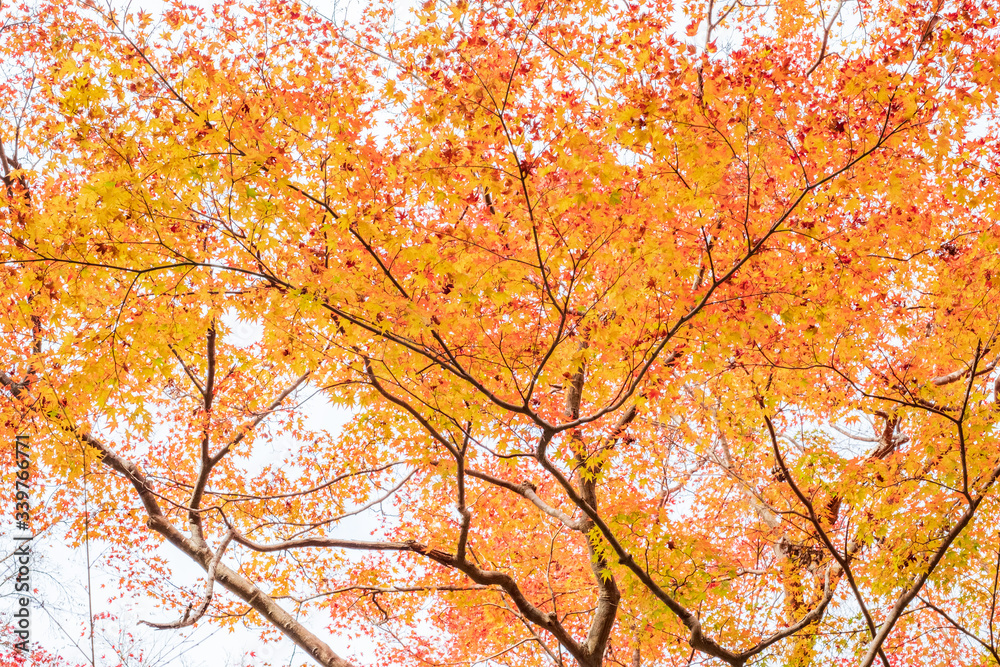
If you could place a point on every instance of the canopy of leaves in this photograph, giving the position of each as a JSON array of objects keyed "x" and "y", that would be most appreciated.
[{"x": 664, "y": 332}]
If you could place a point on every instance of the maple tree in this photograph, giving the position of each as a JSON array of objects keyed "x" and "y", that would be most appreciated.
[{"x": 666, "y": 332}]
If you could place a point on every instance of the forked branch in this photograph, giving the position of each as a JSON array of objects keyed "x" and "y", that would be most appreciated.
[{"x": 190, "y": 618}]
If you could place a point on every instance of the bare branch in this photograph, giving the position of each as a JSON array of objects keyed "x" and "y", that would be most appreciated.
[
  {"x": 958, "y": 374},
  {"x": 826, "y": 37},
  {"x": 528, "y": 490},
  {"x": 191, "y": 618}
]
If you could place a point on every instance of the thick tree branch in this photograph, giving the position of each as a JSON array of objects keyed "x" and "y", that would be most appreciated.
[
  {"x": 548, "y": 622},
  {"x": 205, "y": 458}
]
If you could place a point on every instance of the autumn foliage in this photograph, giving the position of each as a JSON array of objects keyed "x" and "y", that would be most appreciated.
[{"x": 662, "y": 332}]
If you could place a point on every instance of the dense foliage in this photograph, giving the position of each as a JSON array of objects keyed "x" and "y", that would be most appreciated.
[{"x": 663, "y": 333}]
